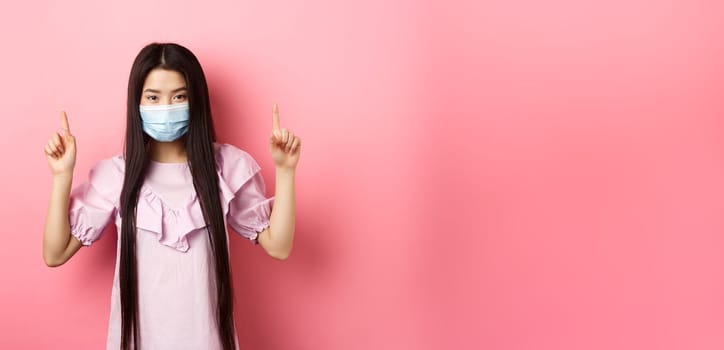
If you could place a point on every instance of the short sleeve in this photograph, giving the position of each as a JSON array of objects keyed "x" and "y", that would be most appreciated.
[
  {"x": 92, "y": 203},
  {"x": 249, "y": 209}
]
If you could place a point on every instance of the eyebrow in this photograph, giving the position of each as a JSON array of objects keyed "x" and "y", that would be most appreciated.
[{"x": 158, "y": 92}]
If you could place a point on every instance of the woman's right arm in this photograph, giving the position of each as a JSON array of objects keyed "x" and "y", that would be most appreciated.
[{"x": 58, "y": 244}]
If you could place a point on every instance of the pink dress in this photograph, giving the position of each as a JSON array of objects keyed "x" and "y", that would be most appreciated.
[{"x": 177, "y": 286}]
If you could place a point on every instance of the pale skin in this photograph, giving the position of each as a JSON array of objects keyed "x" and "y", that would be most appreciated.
[{"x": 168, "y": 87}]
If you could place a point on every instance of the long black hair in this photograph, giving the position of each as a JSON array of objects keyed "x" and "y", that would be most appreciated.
[{"x": 199, "y": 143}]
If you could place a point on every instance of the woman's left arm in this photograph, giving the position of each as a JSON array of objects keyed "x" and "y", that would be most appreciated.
[{"x": 277, "y": 239}]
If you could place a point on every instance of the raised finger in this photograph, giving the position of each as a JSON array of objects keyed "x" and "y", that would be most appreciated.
[
  {"x": 275, "y": 117},
  {"x": 64, "y": 123}
]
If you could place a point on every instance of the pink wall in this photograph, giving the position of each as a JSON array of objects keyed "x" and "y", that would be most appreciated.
[{"x": 481, "y": 175}]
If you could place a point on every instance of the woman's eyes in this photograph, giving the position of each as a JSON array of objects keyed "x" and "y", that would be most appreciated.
[{"x": 155, "y": 98}]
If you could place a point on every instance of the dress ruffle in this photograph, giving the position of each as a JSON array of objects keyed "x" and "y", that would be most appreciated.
[{"x": 171, "y": 224}]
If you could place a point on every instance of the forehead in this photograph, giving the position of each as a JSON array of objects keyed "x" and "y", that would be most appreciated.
[{"x": 164, "y": 79}]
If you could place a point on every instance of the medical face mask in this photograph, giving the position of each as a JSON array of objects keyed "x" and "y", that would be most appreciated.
[{"x": 165, "y": 123}]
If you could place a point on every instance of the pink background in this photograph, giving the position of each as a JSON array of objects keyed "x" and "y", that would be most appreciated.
[{"x": 480, "y": 175}]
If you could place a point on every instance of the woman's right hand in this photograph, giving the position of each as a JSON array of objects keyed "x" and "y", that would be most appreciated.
[{"x": 60, "y": 150}]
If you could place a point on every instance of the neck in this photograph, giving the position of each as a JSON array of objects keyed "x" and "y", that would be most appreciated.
[{"x": 167, "y": 152}]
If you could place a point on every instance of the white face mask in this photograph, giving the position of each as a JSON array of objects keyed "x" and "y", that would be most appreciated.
[{"x": 165, "y": 123}]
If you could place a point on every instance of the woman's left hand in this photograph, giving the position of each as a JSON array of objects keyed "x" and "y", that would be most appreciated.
[{"x": 285, "y": 146}]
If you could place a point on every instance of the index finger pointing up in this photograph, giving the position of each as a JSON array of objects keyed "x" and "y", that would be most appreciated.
[
  {"x": 64, "y": 123},
  {"x": 275, "y": 117}
]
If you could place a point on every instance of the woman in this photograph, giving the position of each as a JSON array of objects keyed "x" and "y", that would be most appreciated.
[{"x": 172, "y": 286}]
